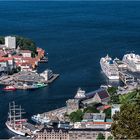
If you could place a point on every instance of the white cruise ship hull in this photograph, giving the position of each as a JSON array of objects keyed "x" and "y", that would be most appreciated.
[
  {"x": 107, "y": 71},
  {"x": 113, "y": 77},
  {"x": 15, "y": 131},
  {"x": 132, "y": 61}
]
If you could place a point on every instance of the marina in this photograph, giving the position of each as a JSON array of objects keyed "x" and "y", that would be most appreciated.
[
  {"x": 109, "y": 68},
  {"x": 27, "y": 80},
  {"x": 16, "y": 124},
  {"x": 75, "y": 43},
  {"x": 125, "y": 70}
]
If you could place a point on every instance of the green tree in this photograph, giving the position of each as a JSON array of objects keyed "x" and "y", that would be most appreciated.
[
  {"x": 91, "y": 109},
  {"x": 110, "y": 138},
  {"x": 25, "y": 44},
  {"x": 76, "y": 116},
  {"x": 129, "y": 96},
  {"x": 2, "y": 40},
  {"x": 112, "y": 90},
  {"x": 126, "y": 123},
  {"x": 114, "y": 97},
  {"x": 100, "y": 137},
  {"x": 107, "y": 113}
]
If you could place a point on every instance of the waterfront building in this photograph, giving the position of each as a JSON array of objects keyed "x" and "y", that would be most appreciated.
[
  {"x": 10, "y": 61},
  {"x": 92, "y": 125},
  {"x": 98, "y": 96},
  {"x": 10, "y": 42},
  {"x": 94, "y": 117},
  {"x": 3, "y": 66},
  {"x": 80, "y": 94},
  {"x": 26, "y": 53},
  {"x": 72, "y": 105},
  {"x": 86, "y": 134},
  {"x": 25, "y": 67},
  {"x": 71, "y": 134},
  {"x": 52, "y": 134},
  {"x": 47, "y": 74}
]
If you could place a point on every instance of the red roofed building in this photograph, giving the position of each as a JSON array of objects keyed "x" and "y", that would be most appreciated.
[
  {"x": 40, "y": 52},
  {"x": 3, "y": 65},
  {"x": 26, "y": 53},
  {"x": 25, "y": 67}
]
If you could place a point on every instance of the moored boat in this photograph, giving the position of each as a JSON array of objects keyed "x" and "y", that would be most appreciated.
[
  {"x": 9, "y": 88},
  {"x": 15, "y": 122},
  {"x": 109, "y": 68},
  {"x": 39, "y": 85}
]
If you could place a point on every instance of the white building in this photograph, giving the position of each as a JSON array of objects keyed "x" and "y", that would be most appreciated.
[
  {"x": 80, "y": 94},
  {"x": 3, "y": 66},
  {"x": 47, "y": 74},
  {"x": 26, "y": 53},
  {"x": 25, "y": 67},
  {"x": 10, "y": 42}
]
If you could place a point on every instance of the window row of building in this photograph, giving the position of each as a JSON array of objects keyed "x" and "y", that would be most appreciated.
[{"x": 73, "y": 134}]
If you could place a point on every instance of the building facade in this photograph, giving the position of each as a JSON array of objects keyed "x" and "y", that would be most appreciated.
[
  {"x": 52, "y": 134},
  {"x": 86, "y": 134},
  {"x": 72, "y": 134},
  {"x": 26, "y": 53},
  {"x": 10, "y": 42},
  {"x": 47, "y": 74},
  {"x": 72, "y": 105}
]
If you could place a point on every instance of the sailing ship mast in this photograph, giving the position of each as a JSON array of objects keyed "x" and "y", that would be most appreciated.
[{"x": 15, "y": 114}]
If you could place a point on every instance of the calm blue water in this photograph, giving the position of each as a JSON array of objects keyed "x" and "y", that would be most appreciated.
[{"x": 76, "y": 35}]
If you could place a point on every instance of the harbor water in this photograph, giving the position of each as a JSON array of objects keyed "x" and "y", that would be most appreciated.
[{"x": 75, "y": 34}]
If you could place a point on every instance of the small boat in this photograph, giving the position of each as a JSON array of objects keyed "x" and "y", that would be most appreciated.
[
  {"x": 38, "y": 85},
  {"x": 44, "y": 59},
  {"x": 10, "y": 88}
]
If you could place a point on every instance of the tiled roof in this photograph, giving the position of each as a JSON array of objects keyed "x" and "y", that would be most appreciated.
[
  {"x": 25, "y": 51},
  {"x": 54, "y": 129},
  {"x": 103, "y": 94}
]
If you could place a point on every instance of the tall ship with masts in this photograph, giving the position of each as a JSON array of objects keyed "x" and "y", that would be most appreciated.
[{"x": 15, "y": 121}]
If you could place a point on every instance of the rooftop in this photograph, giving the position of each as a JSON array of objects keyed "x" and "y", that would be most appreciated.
[
  {"x": 102, "y": 93},
  {"x": 25, "y": 51}
]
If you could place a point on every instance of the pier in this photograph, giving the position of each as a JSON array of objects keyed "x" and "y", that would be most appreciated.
[
  {"x": 53, "y": 115},
  {"x": 126, "y": 78},
  {"x": 54, "y": 77},
  {"x": 25, "y": 80}
]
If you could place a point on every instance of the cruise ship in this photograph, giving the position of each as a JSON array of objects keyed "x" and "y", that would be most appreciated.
[
  {"x": 109, "y": 68},
  {"x": 133, "y": 62}
]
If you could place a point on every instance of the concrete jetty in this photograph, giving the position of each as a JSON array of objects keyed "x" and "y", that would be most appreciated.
[
  {"x": 25, "y": 80},
  {"x": 54, "y": 77}
]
